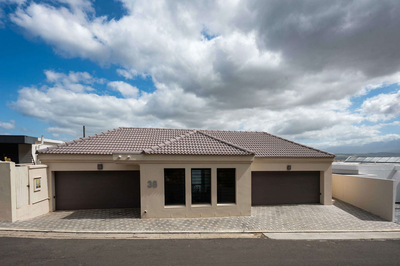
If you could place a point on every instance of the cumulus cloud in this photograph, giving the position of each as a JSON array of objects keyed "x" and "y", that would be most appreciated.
[
  {"x": 124, "y": 88},
  {"x": 68, "y": 110},
  {"x": 291, "y": 69},
  {"x": 7, "y": 125},
  {"x": 130, "y": 74},
  {"x": 75, "y": 81},
  {"x": 382, "y": 106},
  {"x": 126, "y": 74}
]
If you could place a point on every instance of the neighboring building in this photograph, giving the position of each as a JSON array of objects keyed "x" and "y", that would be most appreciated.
[
  {"x": 22, "y": 149},
  {"x": 185, "y": 172},
  {"x": 376, "y": 167}
]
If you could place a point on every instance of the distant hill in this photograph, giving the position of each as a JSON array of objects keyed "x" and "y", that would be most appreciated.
[{"x": 390, "y": 148}]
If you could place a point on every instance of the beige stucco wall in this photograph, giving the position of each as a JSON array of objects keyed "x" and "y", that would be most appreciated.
[
  {"x": 7, "y": 192},
  {"x": 324, "y": 166},
  {"x": 38, "y": 202},
  {"x": 152, "y": 169},
  {"x": 371, "y": 194},
  {"x": 152, "y": 200},
  {"x": 31, "y": 211}
]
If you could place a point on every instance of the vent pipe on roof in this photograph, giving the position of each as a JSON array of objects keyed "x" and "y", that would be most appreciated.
[{"x": 83, "y": 131}]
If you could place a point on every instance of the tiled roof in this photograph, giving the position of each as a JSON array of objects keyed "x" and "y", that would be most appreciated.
[
  {"x": 186, "y": 141},
  {"x": 198, "y": 143},
  {"x": 267, "y": 145},
  {"x": 119, "y": 139}
]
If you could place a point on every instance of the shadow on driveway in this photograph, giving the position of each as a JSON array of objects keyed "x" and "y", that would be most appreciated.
[
  {"x": 356, "y": 212},
  {"x": 102, "y": 214}
]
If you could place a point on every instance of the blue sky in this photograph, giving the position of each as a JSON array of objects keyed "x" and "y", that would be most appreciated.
[
  {"x": 24, "y": 60},
  {"x": 246, "y": 65}
]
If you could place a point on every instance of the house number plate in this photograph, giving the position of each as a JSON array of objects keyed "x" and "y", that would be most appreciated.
[{"x": 151, "y": 184}]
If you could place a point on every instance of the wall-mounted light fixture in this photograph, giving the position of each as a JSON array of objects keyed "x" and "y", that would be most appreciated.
[
  {"x": 128, "y": 157},
  {"x": 99, "y": 166},
  {"x": 119, "y": 156},
  {"x": 289, "y": 167}
]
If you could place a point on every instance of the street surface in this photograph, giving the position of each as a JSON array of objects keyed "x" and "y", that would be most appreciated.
[{"x": 260, "y": 251}]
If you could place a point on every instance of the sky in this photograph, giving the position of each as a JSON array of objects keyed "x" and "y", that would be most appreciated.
[{"x": 323, "y": 73}]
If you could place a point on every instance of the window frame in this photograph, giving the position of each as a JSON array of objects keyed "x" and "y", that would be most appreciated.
[{"x": 184, "y": 187}]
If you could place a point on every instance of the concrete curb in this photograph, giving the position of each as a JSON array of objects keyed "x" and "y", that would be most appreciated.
[
  {"x": 272, "y": 236},
  {"x": 334, "y": 236},
  {"x": 191, "y": 232},
  {"x": 53, "y": 235}
]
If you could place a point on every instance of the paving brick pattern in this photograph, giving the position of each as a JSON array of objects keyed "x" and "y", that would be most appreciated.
[{"x": 340, "y": 216}]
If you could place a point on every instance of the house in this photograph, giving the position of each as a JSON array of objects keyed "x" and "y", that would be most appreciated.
[
  {"x": 185, "y": 172},
  {"x": 373, "y": 167},
  {"x": 22, "y": 149}
]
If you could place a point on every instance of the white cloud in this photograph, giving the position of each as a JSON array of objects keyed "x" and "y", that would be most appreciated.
[
  {"x": 67, "y": 110},
  {"x": 382, "y": 106},
  {"x": 124, "y": 88},
  {"x": 56, "y": 131},
  {"x": 72, "y": 77},
  {"x": 75, "y": 81},
  {"x": 292, "y": 70},
  {"x": 326, "y": 124},
  {"x": 7, "y": 125},
  {"x": 130, "y": 74},
  {"x": 126, "y": 74}
]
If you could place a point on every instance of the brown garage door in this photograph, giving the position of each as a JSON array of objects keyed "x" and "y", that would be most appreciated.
[
  {"x": 273, "y": 188},
  {"x": 97, "y": 190}
]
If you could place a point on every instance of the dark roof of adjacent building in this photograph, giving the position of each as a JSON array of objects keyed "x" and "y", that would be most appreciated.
[
  {"x": 186, "y": 142},
  {"x": 17, "y": 139}
]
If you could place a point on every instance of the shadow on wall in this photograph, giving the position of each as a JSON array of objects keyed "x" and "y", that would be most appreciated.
[
  {"x": 357, "y": 212},
  {"x": 102, "y": 214}
]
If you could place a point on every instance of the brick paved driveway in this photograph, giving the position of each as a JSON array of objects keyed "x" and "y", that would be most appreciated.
[{"x": 340, "y": 216}]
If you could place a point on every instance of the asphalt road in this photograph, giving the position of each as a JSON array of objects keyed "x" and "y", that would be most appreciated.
[{"x": 20, "y": 251}]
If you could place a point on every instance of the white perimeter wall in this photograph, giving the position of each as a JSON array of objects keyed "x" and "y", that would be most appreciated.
[{"x": 371, "y": 194}]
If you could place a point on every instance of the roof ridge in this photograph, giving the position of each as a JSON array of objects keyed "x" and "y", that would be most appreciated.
[
  {"x": 67, "y": 143},
  {"x": 193, "y": 129},
  {"x": 166, "y": 128},
  {"x": 299, "y": 144},
  {"x": 168, "y": 142},
  {"x": 227, "y": 142}
]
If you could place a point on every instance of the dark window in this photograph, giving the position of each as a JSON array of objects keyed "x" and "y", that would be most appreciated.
[
  {"x": 174, "y": 182},
  {"x": 201, "y": 186},
  {"x": 226, "y": 185}
]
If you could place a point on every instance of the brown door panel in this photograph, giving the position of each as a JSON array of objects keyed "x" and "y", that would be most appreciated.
[
  {"x": 286, "y": 187},
  {"x": 97, "y": 190}
]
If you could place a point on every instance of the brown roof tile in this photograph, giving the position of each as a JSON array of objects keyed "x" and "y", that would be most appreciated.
[
  {"x": 186, "y": 141},
  {"x": 199, "y": 143},
  {"x": 268, "y": 145}
]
